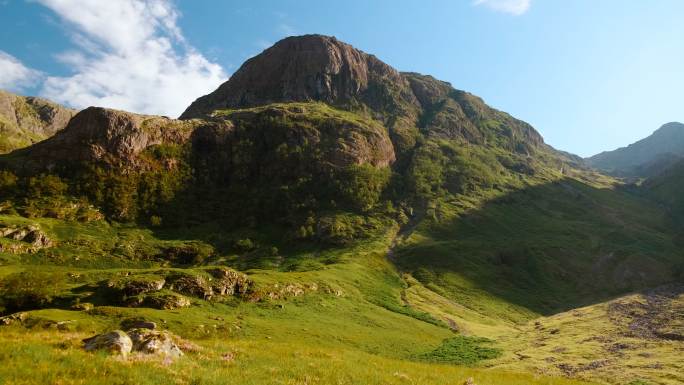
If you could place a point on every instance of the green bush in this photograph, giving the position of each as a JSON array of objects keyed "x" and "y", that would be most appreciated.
[
  {"x": 46, "y": 186},
  {"x": 361, "y": 185},
  {"x": 462, "y": 350},
  {"x": 245, "y": 245},
  {"x": 8, "y": 183},
  {"x": 29, "y": 290}
]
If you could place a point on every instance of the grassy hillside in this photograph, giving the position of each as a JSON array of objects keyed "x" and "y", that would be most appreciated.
[
  {"x": 532, "y": 249},
  {"x": 378, "y": 227},
  {"x": 419, "y": 273},
  {"x": 341, "y": 321}
]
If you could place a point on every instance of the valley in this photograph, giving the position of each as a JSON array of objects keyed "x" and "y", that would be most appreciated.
[{"x": 324, "y": 218}]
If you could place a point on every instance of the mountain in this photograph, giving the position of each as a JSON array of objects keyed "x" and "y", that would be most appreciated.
[
  {"x": 321, "y": 68},
  {"x": 311, "y": 125},
  {"x": 27, "y": 120},
  {"x": 645, "y": 157},
  {"x": 324, "y": 217}
]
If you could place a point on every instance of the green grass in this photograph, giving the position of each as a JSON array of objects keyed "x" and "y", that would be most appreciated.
[
  {"x": 538, "y": 250},
  {"x": 349, "y": 325},
  {"x": 462, "y": 351}
]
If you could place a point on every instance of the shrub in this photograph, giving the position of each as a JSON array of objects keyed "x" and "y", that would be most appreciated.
[
  {"x": 8, "y": 183},
  {"x": 245, "y": 245},
  {"x": 462, "y": 350},
  {"x": 29, "y": 290},
  {"x": 361, "y": 185},
  {"x": 155, "y": 220},
  {"x": 46, "y": 186}
]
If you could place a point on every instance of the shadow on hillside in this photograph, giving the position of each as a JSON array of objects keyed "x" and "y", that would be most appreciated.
[{"x": 545, "y": 249}]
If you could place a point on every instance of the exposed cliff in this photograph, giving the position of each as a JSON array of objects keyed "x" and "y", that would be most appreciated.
[{"x": 28, "y": 120}]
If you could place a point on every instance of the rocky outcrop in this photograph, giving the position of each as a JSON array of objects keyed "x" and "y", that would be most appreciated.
[
  {"x": 141, "y": 340},
  {"x": 166, "y": 301},
  {"x": 168, "y": 290},
  {"x": 194, "y": 285},
  {"x": 229, "y": 282},
  {"x": 27, "y": 120},
  {"x": 29, "y": 239},
  {"x": 306, "y": 68},
  {"x": 108, "y": 137},
  {"x": 12, "y": 319},
  {"x": 455, "y": 114},
  {"x": 138, "y": 285}
]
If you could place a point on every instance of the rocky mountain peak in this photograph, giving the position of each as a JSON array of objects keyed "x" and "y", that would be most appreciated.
[
  {"x": 672, "y": 128},
  {"x": 300, "y": 68},
  {"x": 27, "y": 120}
]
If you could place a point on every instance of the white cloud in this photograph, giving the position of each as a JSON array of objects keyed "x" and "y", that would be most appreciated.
[
  {"x": 514, "y": 7},
  {"x": 14, "y": 75},
  {"x": 131, "y": 55}
]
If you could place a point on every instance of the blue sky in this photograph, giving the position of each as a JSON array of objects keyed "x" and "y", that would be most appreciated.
[{"x": 590, "y": 75}]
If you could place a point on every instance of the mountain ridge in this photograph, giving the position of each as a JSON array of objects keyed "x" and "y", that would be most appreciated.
[
  {"x": 646, "y": 156},
  {"x": 25, "y": 120}
]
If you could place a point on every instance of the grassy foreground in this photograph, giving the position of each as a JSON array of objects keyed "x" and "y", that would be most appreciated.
[{"x": 349, "y": 325}]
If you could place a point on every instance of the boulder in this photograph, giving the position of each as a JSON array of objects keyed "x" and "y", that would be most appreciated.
[
  {"x": 115, "y": 342},
  {"x": 166, "y": 301},
  {"x": 30, "y": 234},
  {"x": 229, "y": 282},
  {"x": 13, "y": 318},
  {"x": 83, "y": 306},
  {"x": 154, "y": 342},
  {"x": 195, "y": 285},
  {"x": 136, "y": 285},
  {"x": 37, "y": 239},
  {"x": 18, "y": 235}
]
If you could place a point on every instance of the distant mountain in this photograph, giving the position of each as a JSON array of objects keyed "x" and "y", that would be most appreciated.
[
  {"x": 27, "y": 120},
  {"x": 646, "y": 157}
]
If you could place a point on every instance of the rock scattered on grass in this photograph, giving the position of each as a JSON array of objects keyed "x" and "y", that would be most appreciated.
[
  {"x": 140, "y": 340},
  {"x": 13, "y": 318},
  {"x": 154, "y": 342},
  {"x": 115, "y": 341},
  {"x": 31, "y": 237}
]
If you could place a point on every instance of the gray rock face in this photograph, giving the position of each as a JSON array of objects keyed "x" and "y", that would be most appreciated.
[
  {"x": 26, "y": 120},
  {"x": 141, "y": 286},
  {"x": 154, "y": 342},
  {"x": 321, "y": 68},
  {"x": 301, "y": 68},
  {"x": 107, "y": 136},
  {"x": 168, "y": 301},
  {"x": 115, "y": 341},
  {"x": 229, "y": 282},
  {"x": 141, "y": 340},
  {"x": 194, "y": 285}
]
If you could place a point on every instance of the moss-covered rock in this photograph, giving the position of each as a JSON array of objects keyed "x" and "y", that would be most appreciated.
[{"x": 115, "y": 341}]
